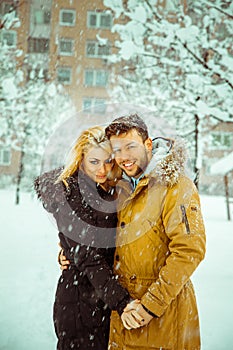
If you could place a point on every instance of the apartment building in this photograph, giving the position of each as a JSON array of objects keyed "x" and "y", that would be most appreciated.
[
  {"x": 68, "y": 41},
  {"x": 64, "y": 41}
]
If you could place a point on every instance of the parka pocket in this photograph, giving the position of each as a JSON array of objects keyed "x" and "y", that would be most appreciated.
[
  {"x": 185, "y": 219},
  {"x": 158, "y": 334},
  {"x": 191, "y": 218}
]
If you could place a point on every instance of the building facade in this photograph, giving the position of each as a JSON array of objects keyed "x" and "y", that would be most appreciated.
[
  {"x": 63, "y": 41},
  {"x": 69, "y": 41}
]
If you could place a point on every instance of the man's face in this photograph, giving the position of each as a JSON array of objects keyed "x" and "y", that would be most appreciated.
[{"x": 131, "y": 153}]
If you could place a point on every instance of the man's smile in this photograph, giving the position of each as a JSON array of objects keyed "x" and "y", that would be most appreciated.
[{"x": 128, "y": 164}]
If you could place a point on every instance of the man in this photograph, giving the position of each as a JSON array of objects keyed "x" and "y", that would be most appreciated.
[{"x": 160, "y": 241}]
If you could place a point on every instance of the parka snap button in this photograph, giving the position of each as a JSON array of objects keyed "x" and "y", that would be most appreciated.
[
  {"x": 133, "y": 277},
  {"x": 122, "y": 224}
]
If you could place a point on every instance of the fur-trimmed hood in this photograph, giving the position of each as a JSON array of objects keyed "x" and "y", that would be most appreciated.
[{"x": 168, "y": 161}]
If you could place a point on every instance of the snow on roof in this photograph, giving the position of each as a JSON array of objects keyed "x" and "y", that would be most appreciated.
[{"x": 222, "y": 166}]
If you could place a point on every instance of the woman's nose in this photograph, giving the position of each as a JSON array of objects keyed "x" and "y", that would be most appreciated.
[{"x": 102, "y": 168}]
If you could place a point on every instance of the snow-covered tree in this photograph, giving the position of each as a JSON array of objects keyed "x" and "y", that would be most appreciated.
[
  {"x": 178, "y": 59},
  {"x": 29, "y": 113}
]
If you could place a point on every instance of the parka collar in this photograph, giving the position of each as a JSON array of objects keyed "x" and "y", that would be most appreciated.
[{"x": 168, "y": 162}]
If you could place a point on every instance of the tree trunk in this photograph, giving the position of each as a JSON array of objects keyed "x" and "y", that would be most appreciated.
[
  {"x": 19, "y": 177},
  {"x": 227, "y": 197},
  {"x": 196, "y": 169}
]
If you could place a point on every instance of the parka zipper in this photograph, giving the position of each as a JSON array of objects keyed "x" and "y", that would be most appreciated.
[{"x": 184, "y": 218}]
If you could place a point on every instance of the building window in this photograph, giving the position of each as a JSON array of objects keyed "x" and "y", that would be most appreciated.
[
  {"x": 221, "y": 140},
  {"x": 94, "y": 105},
  {"x": 42, "y": 17},
  {"x": 94, "y": 49},
  {"x": 66, "y": 47},
  {"x": 64, "y": 75},
  {"x": 38, "y": 45},
  {"x": 6, "y": 7},
  {"x": 99, "y": 20},
  {"x": 95, "y": 78},
  {"x": 5, "y": 156},
  {"x": 222, "y": 30},
  {"x": 67, "y": 17},
  {"x": 37, "y": 73},
  {"x": 8, "y": 37}
]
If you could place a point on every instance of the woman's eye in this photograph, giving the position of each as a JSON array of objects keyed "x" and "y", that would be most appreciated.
[
  {"x": 95, "y": 162},
  {"x": 108, "y": 161}
]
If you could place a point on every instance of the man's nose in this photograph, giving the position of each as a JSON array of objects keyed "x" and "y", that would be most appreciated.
[{"x": 124, "y": 154}]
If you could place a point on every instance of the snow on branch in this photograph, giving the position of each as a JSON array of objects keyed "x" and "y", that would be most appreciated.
[{"x": 211, "y": 5}]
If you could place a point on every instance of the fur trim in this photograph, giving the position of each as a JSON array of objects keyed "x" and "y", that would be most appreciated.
[
  {"x": 168, "y": 167},
  {"x": 48, "y": 191}
]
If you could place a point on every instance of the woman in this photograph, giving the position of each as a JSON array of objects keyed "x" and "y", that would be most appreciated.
[{"x": 83, "y": 204}]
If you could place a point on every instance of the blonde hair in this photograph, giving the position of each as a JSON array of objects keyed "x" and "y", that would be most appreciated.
[{"x": 92, "y": 137}]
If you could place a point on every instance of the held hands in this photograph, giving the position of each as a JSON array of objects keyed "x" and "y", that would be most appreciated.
[{"x": 135, "y": 316}]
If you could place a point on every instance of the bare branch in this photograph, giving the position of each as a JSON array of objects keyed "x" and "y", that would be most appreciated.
[
  {"x": 211, "y": 5},
  {"x": 203, "y": 63},
  {"x": 153, "y": 11}
]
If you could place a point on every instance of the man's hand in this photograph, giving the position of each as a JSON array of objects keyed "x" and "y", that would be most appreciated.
[
  {"x": 132, "y": 320},
  {"x": 64, "y": 263}
]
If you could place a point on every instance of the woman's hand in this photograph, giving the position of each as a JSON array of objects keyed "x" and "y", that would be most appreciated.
[
  {"x": 64, "y": 263},
  {"x": 135, "y": 316},
  {"x": 131, "y": 319}
]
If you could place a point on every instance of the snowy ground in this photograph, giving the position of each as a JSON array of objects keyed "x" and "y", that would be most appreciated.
[{"x": 29, "y": 272}]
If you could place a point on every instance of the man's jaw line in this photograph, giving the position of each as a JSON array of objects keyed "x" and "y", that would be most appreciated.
[{"x": 131, "y": 169}]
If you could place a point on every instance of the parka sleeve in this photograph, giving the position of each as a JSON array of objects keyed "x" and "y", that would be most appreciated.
[
  {"x": 184, "y": 227},
  {"x": 93, "y": 263}
]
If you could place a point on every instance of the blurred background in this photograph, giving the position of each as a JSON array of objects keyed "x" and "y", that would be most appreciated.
[
  {"x": 69, "y": 64},
  {"x": 67, "y": 57}
]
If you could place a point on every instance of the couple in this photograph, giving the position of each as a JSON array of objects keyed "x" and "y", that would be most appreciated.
[{"x": 158, "y": 232}]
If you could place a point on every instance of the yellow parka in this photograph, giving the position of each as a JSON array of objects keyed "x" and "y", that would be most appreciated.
[{"x": 160, "y": 242}]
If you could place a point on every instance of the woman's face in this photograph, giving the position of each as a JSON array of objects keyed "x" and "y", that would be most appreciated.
[{"x": 97, "y": 163}]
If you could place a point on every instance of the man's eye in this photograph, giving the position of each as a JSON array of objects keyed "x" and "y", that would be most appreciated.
[
  {"x": 108, "y": 161},
  {"x": 131, "y": 146}
]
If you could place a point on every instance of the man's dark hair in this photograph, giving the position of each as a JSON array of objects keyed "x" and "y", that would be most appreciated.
[{"x": 124, "y": 124}]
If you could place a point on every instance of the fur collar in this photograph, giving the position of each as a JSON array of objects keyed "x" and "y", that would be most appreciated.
[{"x": 166, "y": 166}]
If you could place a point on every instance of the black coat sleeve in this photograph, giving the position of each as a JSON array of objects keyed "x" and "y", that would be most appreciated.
[
  {"x": 93, "y": 262},
  {"x": 51, "y": 194}
]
